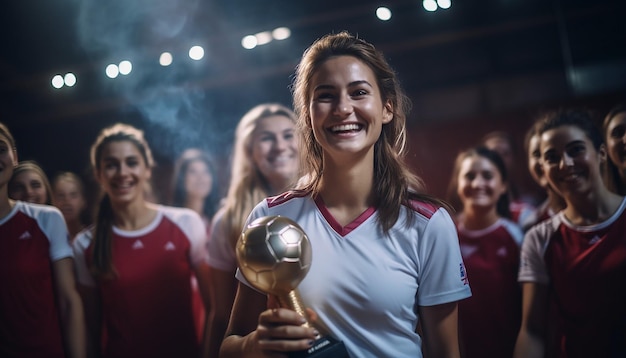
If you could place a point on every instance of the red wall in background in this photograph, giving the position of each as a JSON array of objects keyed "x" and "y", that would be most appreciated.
[{"x": 434, "y": 147}]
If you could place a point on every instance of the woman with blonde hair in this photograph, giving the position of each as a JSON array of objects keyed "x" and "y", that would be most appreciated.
[
  {"x": 30, "y": 183},
  {"x": 68, "y": 194},
  {"x": 265, "y": 162}
]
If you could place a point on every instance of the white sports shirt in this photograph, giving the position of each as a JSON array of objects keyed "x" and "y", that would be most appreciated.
[{"x": 365, "y": 286}]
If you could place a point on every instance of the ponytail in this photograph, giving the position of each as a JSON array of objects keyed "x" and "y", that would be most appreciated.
[{"x": 102, "y": 264}]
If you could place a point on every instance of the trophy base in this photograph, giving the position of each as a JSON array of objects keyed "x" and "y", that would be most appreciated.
[{"x": 325, "y": 347}]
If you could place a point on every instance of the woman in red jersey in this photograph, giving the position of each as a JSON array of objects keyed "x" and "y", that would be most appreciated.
[
  {"x": 490, "y": 245},
  {"x": 135, "y": 266},
  {"x": 573, "y": 265},
  {"x": 41, "y": 314}
]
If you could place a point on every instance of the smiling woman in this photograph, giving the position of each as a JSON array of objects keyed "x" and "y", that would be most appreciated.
[
  {"x": 490, "y": 245},
  {"x": 576, "y": 258},
  {"x": 346, "y": 112},
  {"x": 135, "y": 250},
  {"x": 367, "y": 219},
  {"x": 265, "y": 162},
  {"x": 68, "y": 194},
  {"x": 30, "y": 183},
  {"x": 42, "y": 314}
]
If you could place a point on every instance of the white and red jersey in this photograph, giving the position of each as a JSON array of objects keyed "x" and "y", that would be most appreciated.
[
  {"x": 490, "y": 319},
  {"x": 220, "y": 247},
  {"x": 147, "y": 309},
  {"x": 585, "y": 268},
  {"x": 32, "y": 238},
  {"x": 365, "y": 285}
]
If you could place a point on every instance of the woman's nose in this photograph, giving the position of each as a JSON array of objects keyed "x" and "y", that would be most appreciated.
[
  {"x": 343, "y": 106},
  {"x": 566, "y": 160}
]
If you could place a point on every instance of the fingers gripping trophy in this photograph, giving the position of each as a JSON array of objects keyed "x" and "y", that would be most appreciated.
[{"x": 274, "y": 255}]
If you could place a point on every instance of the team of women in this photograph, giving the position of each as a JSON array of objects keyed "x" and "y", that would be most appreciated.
[{"x": 401, "y": 273}]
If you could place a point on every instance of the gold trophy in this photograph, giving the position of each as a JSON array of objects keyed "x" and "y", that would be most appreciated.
[{"x": 274, "y": 254}]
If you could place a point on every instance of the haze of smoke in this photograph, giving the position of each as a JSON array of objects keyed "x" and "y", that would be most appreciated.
[{"x": 116, "y": 30}]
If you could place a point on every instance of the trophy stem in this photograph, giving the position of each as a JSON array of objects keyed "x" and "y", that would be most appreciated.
[{"x": 293, "y": 301}]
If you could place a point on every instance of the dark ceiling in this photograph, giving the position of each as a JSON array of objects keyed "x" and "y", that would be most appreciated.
[{"x": 478, "y": 57}]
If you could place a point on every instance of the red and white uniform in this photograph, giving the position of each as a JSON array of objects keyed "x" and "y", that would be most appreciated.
[
  {"x": 585, "y": 267},
  {"x": 490, "y": 319},
  {"x": 32, "y": 237},
  {"x": 147, "y": 310}
]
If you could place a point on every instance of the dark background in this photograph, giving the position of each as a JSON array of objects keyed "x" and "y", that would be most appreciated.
[{"x": 476, "y": 67}]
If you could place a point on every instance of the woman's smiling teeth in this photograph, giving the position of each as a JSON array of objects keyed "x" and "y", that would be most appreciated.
[
  {"x": 350, "y": 127},
  {"x": 122, "y": 185},
  {"x": 571, "y": 177},
  {"x": 281, "y": 159}
]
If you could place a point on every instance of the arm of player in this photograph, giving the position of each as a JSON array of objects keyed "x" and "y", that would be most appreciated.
[
  {"x": 254, "y": 331},
  {"x": 223, "y": 286},
  {"x": 531, "y": 338},
  {"x": 201, "y": 272},
  {"x": 440, "y": 330},
  {"x": 70, "y": 308},
  {"x": 93, "y": 318}
]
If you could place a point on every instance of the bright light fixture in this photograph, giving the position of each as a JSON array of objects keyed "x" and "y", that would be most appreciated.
[
  {"x": 383, "y": 13},
  {"x": 281, "y": 33},
  {"x": 444, "y": 4},
  {"x": 57, "y": 81},
  {"x": 196, "y": 53},
  {"x": 112, "y": 71},
  {"x": 166, "y": 59},
  {"x": 263, "y": 38},
  {"x": 429, "y": 5},
  {"x": 69, "y": 79},
  {"x": 125, "y": 67},
  {"x": 249, "y": 42}
]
